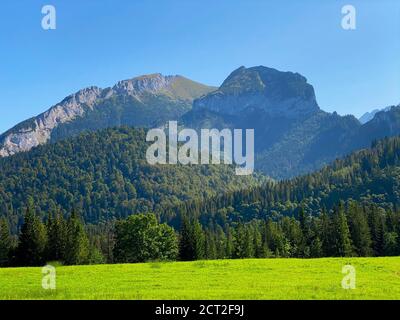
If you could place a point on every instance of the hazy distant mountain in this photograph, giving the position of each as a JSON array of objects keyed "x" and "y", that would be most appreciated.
[
  {"x": 143, "y": 101},
  {"x": 368, "y": 116}
]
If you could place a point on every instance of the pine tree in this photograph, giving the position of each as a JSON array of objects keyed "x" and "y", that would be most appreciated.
[
  {"x": 199, "y": 241},
  {"x": 341, "y": 233},
  {"x": 257, "y": 244},
  {"x": 240, "y": 242},
  {"x": 359, "y": 230},
  {"x": 276, "y": 240},
  {"x": 264, "y": 239},
  {"x": 316, "y": 250},
  {"x": 186, "y": 245},
  {"x": 57, "y": 237},
  {"x": 390, "y": 244},
  {"x": 304, "y": 220},
  {"x": 377, "y": 227},
  {"x": 191, "y": 241},
  {"x": 221, "y": 243},
  {"x": 249, "y": 250},
  {"x": 32, "y": 241},
  {"x": 229, "y": 250},
  {"x": 210, "y": 246},
  {"x": 77, "y": 250},
  {"x": 326, "y": 234},
  {"x": 5, "y": 243}
]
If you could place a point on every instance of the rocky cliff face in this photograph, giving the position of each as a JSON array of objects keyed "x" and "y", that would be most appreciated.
[
  {"x": 273, "y": 92},
  {"x": 37, "y": 131},
  {"x": 144, "y": 90},
  {"x": 151, "y": 83}
]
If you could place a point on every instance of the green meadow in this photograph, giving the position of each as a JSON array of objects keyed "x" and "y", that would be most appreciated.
[{"x": 376, "y": 278}]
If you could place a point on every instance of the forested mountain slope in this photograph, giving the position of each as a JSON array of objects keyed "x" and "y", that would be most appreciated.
[
  {"x": 105, "y": 175},
  {"x": 293, "y": 135},
  {"x": 370, "y": 176}
]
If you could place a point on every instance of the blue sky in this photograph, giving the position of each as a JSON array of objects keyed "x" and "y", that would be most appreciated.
[{"x": 103, "y": 41}]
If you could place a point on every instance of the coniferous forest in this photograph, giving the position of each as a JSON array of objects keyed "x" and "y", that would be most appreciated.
[{"x": 349, "y": 208}]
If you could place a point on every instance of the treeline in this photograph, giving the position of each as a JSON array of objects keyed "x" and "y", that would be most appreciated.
[
  {"x": 369, "y": 176},
  {"x": 58, "y": 239},
  {"x": 347, "y": 230}
]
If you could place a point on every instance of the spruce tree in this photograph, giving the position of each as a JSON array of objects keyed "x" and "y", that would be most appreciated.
[
  {"x": 229, "y": 248},
  {"x": 221, "y": 243},
  {"x": 240, "y": 242},
  {"x": 316, "y": 250},
  {"x": 304, "y": 220},
  {"x": 249, "y": 249},
  {"x": 5, "y": 243},
  {"x": 186, "y": 243},
  {"x": 326, "y": 234},
  {"x": 341, "y": 233},
  {"x": 199, "y": 241},
  {"x": 57, "y": 237},
  {"x": 210, "y": 246},
  {"x": 32, "y": 240},
  {"x": 77, "y": 250},
  {"x": 390, "y": 244},
  {"x": 257, "y": 244},
  {"x": 359, "y": 230},
  {"x": 377, "y": 226},
  {"x": 191, "y": 241}
]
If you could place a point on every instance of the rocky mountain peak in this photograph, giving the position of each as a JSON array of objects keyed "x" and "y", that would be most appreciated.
[
  {"x": 368, "y": 116},
  {"x": 152, "y": 83},
  {"x": 169, "y": 94},
  {"x": 37, "y": 131},
  {"x": 275, "y": 92},
  {"x": 86, "y": 96}
]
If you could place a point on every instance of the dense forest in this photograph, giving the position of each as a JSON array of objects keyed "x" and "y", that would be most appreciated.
[
  {"x": 349, "y": 208},
  {"x": 349, "y": 229},
  {"x": 104, "y": 175},
  {"x": 370, "y": 176}
]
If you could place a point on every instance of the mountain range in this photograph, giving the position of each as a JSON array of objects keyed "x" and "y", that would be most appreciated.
[
  {"x": 143, "y": 101},
  {"x": 293, "y": 135},
  {"x": 368, "y": 116}
]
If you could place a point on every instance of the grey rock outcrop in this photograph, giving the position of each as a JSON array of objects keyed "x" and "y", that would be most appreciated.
[
  {"x": 274, "y": 92},
  {"x": 38, "y": 130}
]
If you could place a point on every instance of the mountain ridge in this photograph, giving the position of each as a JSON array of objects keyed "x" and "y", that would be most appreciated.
[
  {"x": 273, "y": 91},
  {"x": 38, "y": 130},
  {"x": 368, "y": 116},
  {"x": 293, "y": 135}
]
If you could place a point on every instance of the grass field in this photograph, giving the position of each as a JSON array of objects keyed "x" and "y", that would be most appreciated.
[{"x": 376, "y": 278}]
